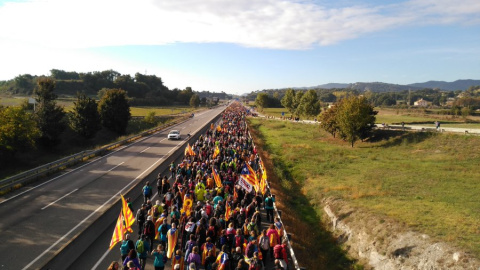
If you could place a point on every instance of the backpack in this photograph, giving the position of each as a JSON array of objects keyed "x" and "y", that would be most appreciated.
[
  {"x": 211, "y": 232},
  {"x": 264, "y": 243},
  {"x": 147, "y": 190},
  {"x": 124, "y": 248},
  {"x": 190, "y": 246},
  {"x": 148, "y": 230},
  {"x": 140, "y": 247},
  {"x": 278, "y": 252},
  {"x": 208, "y": 209},
  {"x": 198, "y": 215},
  {"x": 223, "y": 240},
  {"x": 164, "y": 229},
  {"x": 250, "y": 250},
  {"x": 269, "y": 202},
  {"x": 255, "y": 265},
  {"x": 230, "y": 239},
  {"x": 140, "y": 215},
  {"x": 251, "y": 227},
  {"x": 239, "y": 241}
]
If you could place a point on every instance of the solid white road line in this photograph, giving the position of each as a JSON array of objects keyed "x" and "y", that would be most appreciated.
[
  {"x": 108, "y": 250},
  {"x": 79, "y": 168},
  {"x": 76, "y": 169},
  {"x": 59, "y": 199},
  {"x": 89, "y": 216}
]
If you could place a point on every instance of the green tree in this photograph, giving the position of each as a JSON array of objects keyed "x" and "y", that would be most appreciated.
[
  {"x": 48, "y": 115},
  {"x": 288, "y": 101},
  {"x": 194, "y": 101},
  {"x": 18, "y": 131},
  {"x": 261, "y": 101},
  {"x": 296, "y": 102},
  {"x": 355, "y": 118},
  {"x": 84, "y": 117},
  {"x": 328, "y": 120},
  {"x": 114, "y": 110},
  {"x": 150, "y": 119},
  {"x": 185, "y": 95},
  {"x": 309, "y": 105}
]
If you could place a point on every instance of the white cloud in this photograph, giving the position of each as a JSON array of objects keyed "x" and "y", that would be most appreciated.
[{"x": 252, "y": 23}]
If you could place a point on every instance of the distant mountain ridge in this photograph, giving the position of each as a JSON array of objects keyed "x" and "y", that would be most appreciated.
[{"x": 389, "y": 87}]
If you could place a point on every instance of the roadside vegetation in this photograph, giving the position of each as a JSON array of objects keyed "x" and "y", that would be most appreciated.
[{"x": 427, "y": 181}]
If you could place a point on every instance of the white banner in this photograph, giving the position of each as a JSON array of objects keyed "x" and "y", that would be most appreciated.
[{"x": 244, "y": 184}]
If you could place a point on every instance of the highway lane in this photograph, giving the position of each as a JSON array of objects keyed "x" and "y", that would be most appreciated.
[{"x": 37, "y": 221}]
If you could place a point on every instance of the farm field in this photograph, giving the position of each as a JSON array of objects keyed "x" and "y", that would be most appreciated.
[
  {"x": 409, "y": 116},
  {"x": 67, "y": 103},
  {"x": 427, "y": 181}
]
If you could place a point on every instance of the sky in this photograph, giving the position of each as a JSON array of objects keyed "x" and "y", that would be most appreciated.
[{"x": 239, "y": 46}]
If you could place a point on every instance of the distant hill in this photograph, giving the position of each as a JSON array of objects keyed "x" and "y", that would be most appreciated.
[
  {"x": 452, "y": 86},
  {"x": 389, "y": 87},
  {"x": 381, "y": 87},
  {"x": 333, "y": 85}
]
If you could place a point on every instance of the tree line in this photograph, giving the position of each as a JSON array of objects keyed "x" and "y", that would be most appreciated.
[
  {"x": 470, "y": 98},
  {"x": 352, "y": 117},
  {"x": 22, "y": 129},
  {"x": 142, "y": 90}
]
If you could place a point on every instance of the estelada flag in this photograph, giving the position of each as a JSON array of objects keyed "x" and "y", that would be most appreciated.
[
  {"x": 247, "y": 175},
  {"x": 222, "y": 260},
  {"x": 212, "y": 126},
  {"x": 118, "y": 232},
  {"x": 189, "y": 150},
  {"x": 252, "y": 172},
  {"x": 217, "y": 179},
  {"x": 219, "y": 128},
  {"x": 172, "y": 237},
  {"x": 127, "y": 215}
]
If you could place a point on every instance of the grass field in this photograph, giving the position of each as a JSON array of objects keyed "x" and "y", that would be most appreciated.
[
  {"x": 67, "y": 103},
  {"x": 427, "y": 181},
  {"x": 409, "y": 116}
]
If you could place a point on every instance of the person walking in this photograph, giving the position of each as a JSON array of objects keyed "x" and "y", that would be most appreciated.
[
  {"x": 147, "y": 192},
  {"x": 269, "y": 207},
  {"x": 143, "y": 248},
  {"x": 160, "y": 257}
]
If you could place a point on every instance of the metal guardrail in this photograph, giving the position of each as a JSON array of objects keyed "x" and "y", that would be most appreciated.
[
  {"x": 278, "y": 213},
  {"x": 33, "y": 174}
]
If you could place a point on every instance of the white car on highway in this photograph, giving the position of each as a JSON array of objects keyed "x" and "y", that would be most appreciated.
[{"x": 174, "y": 135}]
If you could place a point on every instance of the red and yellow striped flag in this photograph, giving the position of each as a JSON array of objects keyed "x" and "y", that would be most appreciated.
[
  {"x": 219, "y": 128},
  {"x": 217, "y": 179},
  {"x": 228, "y": 211},
  {"x": 118, "y": 232},
  {"x": 189, "y": 150},
  {"x": 127, "y": 215},
  {"x": 235, "y": 194}
]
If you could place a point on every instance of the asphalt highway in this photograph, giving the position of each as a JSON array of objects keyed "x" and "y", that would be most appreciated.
[{"x": 38, "y": 220}]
